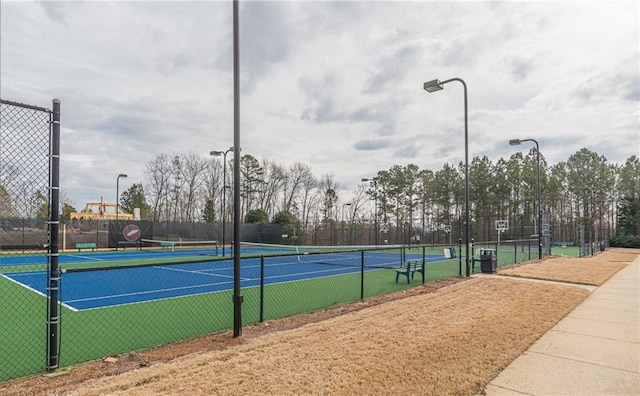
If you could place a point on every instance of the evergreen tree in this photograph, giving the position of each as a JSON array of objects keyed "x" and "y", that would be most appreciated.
[
  {"x": 209, "y": 213},
  {"x": 134, "y": 198},
  {"x": 256, "y": 216}
]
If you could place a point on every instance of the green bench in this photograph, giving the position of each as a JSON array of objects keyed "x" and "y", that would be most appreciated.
[
  {"x": 409, "y": 269},
  {"x": 86, "y": 245}
]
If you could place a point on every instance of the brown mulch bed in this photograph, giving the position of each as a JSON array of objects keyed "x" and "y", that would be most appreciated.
[{"x": 452, "y": 337}]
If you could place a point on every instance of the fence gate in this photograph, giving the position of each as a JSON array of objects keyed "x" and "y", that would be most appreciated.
[{"x": 29, "y": 201}]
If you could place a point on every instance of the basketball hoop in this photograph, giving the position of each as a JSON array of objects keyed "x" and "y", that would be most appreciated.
[{"x": 502, "y": 225}]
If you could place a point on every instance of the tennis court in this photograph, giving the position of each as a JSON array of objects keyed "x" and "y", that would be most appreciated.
[
  {"x": 168, "y": 252},
  {"x": 86, "y": 289}
]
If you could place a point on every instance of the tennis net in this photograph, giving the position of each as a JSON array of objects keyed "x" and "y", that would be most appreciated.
[
  {"x": 388, "y": 256},
  {"x": 195, "y": 248}
]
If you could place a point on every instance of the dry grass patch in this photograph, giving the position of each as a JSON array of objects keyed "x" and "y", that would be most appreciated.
[
  {"x": 453, "y": 341},
  {"x": 592, "y": 270}
]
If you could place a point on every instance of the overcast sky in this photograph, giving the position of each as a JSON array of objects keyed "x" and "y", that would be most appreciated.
[{"x": 334, "y": 84}]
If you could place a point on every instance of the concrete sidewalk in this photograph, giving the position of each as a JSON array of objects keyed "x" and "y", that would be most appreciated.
[{"x": 595, "y": 350}]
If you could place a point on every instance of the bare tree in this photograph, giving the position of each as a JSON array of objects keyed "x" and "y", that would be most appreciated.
[
  {"x": 213, "y": 184},
  {"x": 193, "y": 167},
  {"x": 158, "y": 176},
  {"x": 273, "y": 183},
  {"x": 308, "y": 198},
  {"x": 294, "y": 184},
  {"x": 358, "y": 202}
]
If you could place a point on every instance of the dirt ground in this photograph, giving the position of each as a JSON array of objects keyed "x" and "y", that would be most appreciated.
[{"x": 449, "y": 337}]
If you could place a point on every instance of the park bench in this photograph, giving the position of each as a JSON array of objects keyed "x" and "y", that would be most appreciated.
[
  {"x": 86, "y": 245},
  {"x": 409, "y": 268}
]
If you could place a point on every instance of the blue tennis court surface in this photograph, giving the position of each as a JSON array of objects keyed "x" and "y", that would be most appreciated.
[
  {"x": 107, "y": 288},
  {"x": 97, "y": 257}
]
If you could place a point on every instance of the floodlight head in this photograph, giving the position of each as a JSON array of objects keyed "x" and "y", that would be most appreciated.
[
  {"x": 216, "y": 153},
  {"x": 433, "y": 86},
  {"x": 514, "y": 142},
  {"x": 365, "y": 179}
]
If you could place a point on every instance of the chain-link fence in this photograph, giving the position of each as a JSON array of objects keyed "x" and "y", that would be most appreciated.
[
  {"x": 62, "y": 309},
  {"x": 28, "y": 189},
  {"x": 132, "y": 300}
]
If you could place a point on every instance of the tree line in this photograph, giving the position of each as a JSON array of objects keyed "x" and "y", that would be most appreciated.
[
  {"x": 585, "y": 193},
  {"x": 585, "y": 197}
]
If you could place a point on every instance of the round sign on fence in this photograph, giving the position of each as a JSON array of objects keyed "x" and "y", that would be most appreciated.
[{"x": 131, "y": 232}]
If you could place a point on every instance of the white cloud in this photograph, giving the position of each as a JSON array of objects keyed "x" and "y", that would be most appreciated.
[{"x": 336, "y": 85}]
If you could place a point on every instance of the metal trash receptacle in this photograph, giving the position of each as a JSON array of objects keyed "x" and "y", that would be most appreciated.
[{"x": 488, "y": 261}]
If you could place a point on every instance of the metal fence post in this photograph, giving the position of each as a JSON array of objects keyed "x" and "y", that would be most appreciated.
[
  {"x": 261, "y": 289},
  {"x": 362, "y": 275},
  {"x": 459, "y": 256},
  {"x": 424, "y": 260},
  {"x": 54, "y": 274}
]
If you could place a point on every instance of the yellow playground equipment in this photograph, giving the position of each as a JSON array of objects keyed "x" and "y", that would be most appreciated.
[{"x": 98, "y": 211}]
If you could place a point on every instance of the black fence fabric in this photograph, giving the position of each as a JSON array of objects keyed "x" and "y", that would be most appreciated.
[
  {"x": 160, "y": 297},
  {"x": 112, "y": 234}
]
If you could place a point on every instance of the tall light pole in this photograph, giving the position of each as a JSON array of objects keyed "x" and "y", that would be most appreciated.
[
  {"x": 374, "y": 181},
  {"x": 118, "y": 194},
  {"x": 516, "y": 142},
  {"x": 437, "y": 85},
  {"x": 238, "y": 299},
  {"x": 223, "y": 209}
]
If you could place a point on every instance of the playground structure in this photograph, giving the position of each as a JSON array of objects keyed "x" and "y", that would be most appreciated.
[{"x": 98, "y": 211}]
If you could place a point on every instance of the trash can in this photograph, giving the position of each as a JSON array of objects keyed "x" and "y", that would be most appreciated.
[{"x": 488, "y": 261}]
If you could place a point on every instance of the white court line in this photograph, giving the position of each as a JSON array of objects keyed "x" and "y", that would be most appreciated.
[
  {"x": 36, "y": 291},
  {"x": 200, "y": 272},
  {"x": 147, "y": 292},
  {"x": 83, "y": 257}
]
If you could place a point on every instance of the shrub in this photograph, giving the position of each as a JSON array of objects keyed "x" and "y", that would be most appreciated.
[{"x": 627, "y": 241}]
